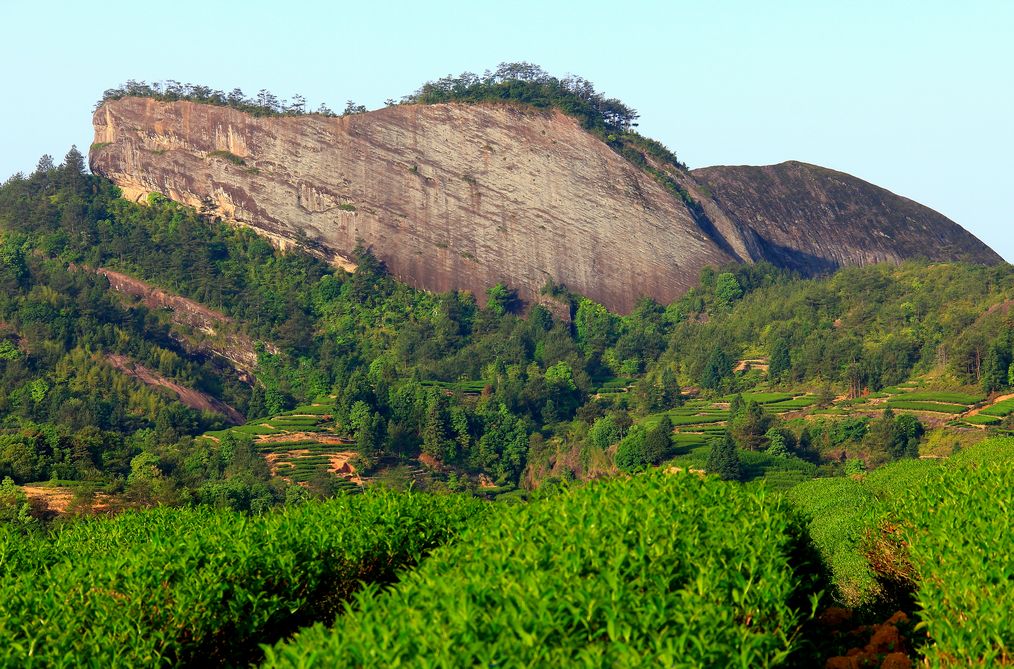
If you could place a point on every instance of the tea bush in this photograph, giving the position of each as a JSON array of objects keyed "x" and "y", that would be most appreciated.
[
  {"x": 957, "y": 525},
  {"x": 176, "y": 586},
  {"x": 660, "y": 569}
]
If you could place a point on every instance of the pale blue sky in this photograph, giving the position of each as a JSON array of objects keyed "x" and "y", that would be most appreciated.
[{"x": 916, "y": 96}]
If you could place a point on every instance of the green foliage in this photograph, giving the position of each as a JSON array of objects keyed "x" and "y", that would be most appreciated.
[
  {"x": 604, "y": 433},
  {"x": 501, "y": 300},
  {"x": 957, "y": 532},
  {"x": 170, "y": 587},
  {"x": 852, "y": 329},
  {"x": 264, "y": 104},
  {"x": 723, "y": 459},
  {"x": 727, "y": 290},
  {"x": 231, "y": 157},
  {"x": 645, "y": 445},
  {"x": 750, "y": 427},
  {"x": 718, "y": 367},
  {"x": 656, "y": 570},
  {"x": 15, "y": 511},
  {"x": 936, "y": 407}
]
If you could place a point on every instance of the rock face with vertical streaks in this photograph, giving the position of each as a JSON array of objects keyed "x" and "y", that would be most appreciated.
[{"x": 456, "y": 196}]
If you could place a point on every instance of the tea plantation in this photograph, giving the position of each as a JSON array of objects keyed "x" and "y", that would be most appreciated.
[
  {"x": 171, "y": 587},
  {"x": 663, "y": 568},
  {"x": 658, "y": 570}
]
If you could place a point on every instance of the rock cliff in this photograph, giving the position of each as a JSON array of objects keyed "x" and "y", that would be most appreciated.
[
  {"x": 814, "y": 219},
  {"x": 464, "y": 196}
]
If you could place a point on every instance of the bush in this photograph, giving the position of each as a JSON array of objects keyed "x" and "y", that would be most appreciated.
[
  {"x": 181, "y": 586},
  {"x": 723, "y": 459},
  {"x": 957, "y": 528},
  {"x": 927, "y": 406},
  {"x": 655, "y": 570}
]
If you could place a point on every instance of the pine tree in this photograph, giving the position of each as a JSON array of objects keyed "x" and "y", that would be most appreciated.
[
  {"x": 45, "y": 165},
  {"x": 724, "y": 460},
  {"x": 657, "y": 443},
  {"x": 779, "y": 362},
  {"x": 436, "y": 434}
]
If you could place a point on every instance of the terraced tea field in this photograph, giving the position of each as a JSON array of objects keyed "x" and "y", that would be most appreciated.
[{"x": 301, "y": 445}]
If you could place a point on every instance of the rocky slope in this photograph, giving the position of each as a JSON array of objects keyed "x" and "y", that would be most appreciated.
[
  {"x": 814, "y": 219},
  {"x": 463, "y": 196}
]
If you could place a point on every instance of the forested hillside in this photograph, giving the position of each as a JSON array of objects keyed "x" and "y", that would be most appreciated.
[{"x": 514, "y": 391}]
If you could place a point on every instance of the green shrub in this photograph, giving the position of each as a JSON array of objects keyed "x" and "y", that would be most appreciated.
[
  {"x": 181, "y": 586},
  {"x": 982, "y": 419},
  {"x": 957, "y": 528},
  {"x": 231, "y": 157},
  {"x": 1001, "y": 409},
  {"x": 655, "y": 570},
  {"x": 942, "y": 396},
  {"x": 927, "y": 406}
]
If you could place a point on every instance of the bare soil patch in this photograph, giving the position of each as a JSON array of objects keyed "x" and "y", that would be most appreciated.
[{"x": 194, "y": 399}]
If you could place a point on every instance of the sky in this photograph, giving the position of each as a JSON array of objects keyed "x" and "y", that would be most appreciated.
[{"x": 915, "y": 96}]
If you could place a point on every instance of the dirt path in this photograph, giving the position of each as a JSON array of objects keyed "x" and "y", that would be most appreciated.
[{"x": 194, "y": 399}]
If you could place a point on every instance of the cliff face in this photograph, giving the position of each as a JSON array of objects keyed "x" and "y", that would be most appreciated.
[
  {"x": 465, "y": 196},
  {"x": 448, "y": 196},
  {"x": 813, "y": 219}
]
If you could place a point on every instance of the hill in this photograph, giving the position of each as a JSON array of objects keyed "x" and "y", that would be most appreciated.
[
  {"x": 812, "y": 219},
  {"x": 121, "y": 323},
  {"x": 516, "y": 178}
]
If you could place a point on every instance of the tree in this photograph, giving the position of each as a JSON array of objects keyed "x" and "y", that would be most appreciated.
[
  {"x": 736, "y": 406},
  {"x": 73, "y": 162},
  {"x": 596, "y": 327},
  {"x": 503, "y": 447},
  {"x": 501, "y": 300},
  {"x": 777, "y": 444},
  {"x": 672, "y": 395},
  {"x": 724, "y": 460},
  {"x": 604, "y": 433},
  {"x": 908, "y": 431},
  {"x": 45, "y": 165},
  {"x": 718, "y": 367},
  {"x": 352, "y": 108},
  {"x": 727, "y": 290},
  {"x": 631, "y": 454},
  {"x": 436, "y": 434},
  {"x": 298, "y": 105},
  {"x": 996, "y": 366},
  {"x": 658, "y": 441},
  {"x": 15, "y": 508},
  {"x": 748, "y": 428},
  {"x": 779, "y": 360}
]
